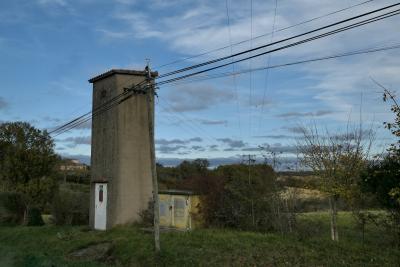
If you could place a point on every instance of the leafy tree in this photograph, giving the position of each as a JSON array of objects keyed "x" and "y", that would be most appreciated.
[
  {"x": 12, "y": 208},
  {"x": 175, "y": 177},
  {"x": 383, "y": 178},
  {"x": 394, "y": 150},
  {"x": 339, "y": 160},
  {"x": 193, "y": 168},
  {"x": 271, "y": 156},
  {"x": 244, "y": 196},
  {"x": 27, "y": 162},
  {"x": 167, "y": 176},
  {"x": 236, "y": 199},
  {"x": 394, "y": 127}
]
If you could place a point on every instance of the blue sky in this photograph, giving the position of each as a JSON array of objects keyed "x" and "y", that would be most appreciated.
[{"x": 50, "y": 48}]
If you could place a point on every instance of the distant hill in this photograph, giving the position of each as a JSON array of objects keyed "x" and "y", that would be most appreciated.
[
  {"x": 82, "y": 158},
  {"x": 287, "y": 164}
]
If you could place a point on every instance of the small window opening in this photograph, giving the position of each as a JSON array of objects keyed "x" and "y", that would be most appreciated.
[
  {"x": 101, "y": 194},
  {"x": 103, "y": 93}
]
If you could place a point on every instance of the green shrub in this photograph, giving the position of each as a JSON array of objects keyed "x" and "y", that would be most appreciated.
[
  {"x": 34, "y": 217},
  {"x": 12, "y": 208},
  {"x": 232, "y": 199},
  {"x": 147, "y": 215},
  {"x": 71, "y": 208}
]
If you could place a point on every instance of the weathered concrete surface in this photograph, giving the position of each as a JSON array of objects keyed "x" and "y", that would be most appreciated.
[{"x": 121, "y": 148}]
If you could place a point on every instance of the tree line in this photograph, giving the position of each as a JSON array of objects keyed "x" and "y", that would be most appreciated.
[{"x": 245, "y": 195}]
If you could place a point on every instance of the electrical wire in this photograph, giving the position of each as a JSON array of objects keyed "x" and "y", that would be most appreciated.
[
  {"x": 251, "y": 66},
  {"x": 276, "y": 42},
  {"x": 233, "y": 70},
  {"x": 345, "y": 28},
  {"x": 346, "y": 54},
  {"x": 354, "y": 25},
  {"x": 115, "y": 101},
  {"x": 96, "y": 111},
  {"x": 215, "y": 76},
  {"x": 88, "y": 118},
  {"x": 267, "y": 69},
  {"x": 266, "y": 34},
  {"x": 185, "y": 120}
]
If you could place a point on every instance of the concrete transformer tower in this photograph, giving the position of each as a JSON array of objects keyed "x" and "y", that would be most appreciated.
[{"x": 121, "y": 180}]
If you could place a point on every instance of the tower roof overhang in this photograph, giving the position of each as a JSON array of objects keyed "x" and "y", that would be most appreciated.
[{"x": 104, "y": 75}]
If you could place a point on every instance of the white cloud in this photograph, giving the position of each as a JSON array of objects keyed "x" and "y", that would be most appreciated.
[
  {"x": 191, "y": 27},
  {"x": 333, "y": 85},
  {"x": 126, "y": 2},
  {"x": 3, "y": 103},
  {"x": 138, "y": 23},
  {"x": 196, "y": 98},
  {"x": 56, "y": 8},
  {"x": 114, "y": 34},
  {"x": 53, "y": 2}
]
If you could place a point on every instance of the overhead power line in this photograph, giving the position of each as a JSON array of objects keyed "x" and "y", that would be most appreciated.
[
  {"x": 233, "y": 69},
  {"x": 91, "y": 116},
  {"x": 267, "y": 70},
  {"x": 346, "y": 54},
  {"x": 96, "y": 111},
  {"x": 251, "y": 66},
  {"x": 195, "y": 128},
  {"x": 127, "y": 94},
  {"x": 84, "y": 116},
  {"x": 276, "y": 42},
  {"x": 345, "y": 28},
  {"x": 264, "y": 35},
  {"x": 220, "y": 75},
  {"x": 215, "y": 76}
]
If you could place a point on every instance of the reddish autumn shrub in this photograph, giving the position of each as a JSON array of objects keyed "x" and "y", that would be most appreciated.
[
  {"x": 238, "y": 196},
  {"x": 210, "y": 187}
]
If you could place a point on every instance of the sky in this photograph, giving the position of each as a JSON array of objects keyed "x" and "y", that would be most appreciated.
[{"x": 50, "y": 48}]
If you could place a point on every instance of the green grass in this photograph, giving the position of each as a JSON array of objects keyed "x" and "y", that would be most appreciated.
[{"x": 309, "y": 246}]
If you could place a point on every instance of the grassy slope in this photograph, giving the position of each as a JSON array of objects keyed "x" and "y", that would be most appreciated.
[{"x": 40, "y": 246}]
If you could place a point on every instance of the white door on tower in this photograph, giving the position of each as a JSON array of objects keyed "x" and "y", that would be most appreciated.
[{"x": 100, "y": 211}]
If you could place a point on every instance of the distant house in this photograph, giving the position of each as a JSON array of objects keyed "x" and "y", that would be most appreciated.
[
  {"x": 72, "y": 165},
  {"x": 179, "y": 209}
]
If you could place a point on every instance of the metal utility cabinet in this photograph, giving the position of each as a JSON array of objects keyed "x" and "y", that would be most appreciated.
[{"x": 179, "y": 209}]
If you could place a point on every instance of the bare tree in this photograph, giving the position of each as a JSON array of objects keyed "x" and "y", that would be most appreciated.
[
  {"x": 271, "y": 156},
  {"x": 338, "y": 159}
]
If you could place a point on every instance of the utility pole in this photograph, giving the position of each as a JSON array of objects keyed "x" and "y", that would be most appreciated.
[
  {"x": 150, "y": 111},
  {"x": 249, "y": 161}
]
